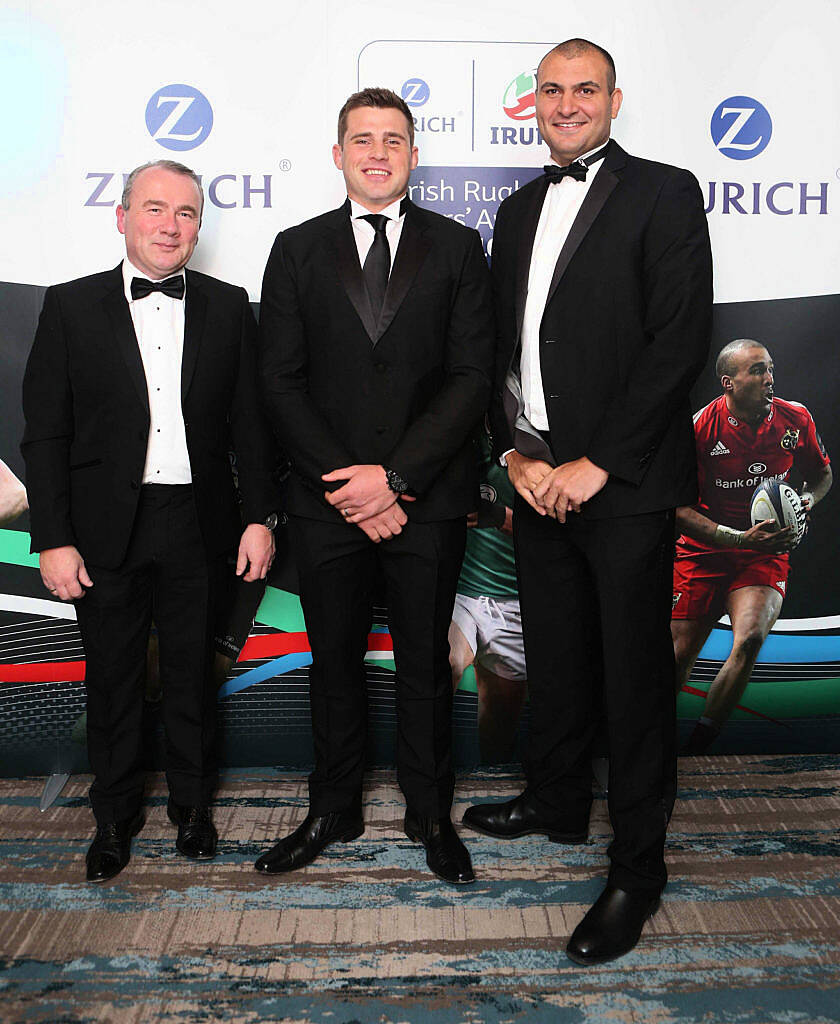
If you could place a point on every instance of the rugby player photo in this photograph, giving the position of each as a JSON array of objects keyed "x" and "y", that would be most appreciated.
[{"x": 724, "y": 562}]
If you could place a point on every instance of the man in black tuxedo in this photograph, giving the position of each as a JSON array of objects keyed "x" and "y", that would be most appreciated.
[
  {"x": 602, "y": 272},
  {"x": 140, "y": 381},
  {"x": 376, "y": 340}
]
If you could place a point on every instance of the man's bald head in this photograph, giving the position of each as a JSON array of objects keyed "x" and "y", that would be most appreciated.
[
  {"x": 726, "y": 363},
  {"x": 579, "y": 48}
]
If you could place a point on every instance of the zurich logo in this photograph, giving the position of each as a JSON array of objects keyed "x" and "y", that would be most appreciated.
[
  {"x": 415, "y": 92},
  {"x": 179, "y": 117},
  {"x": 741, "y": 127}
]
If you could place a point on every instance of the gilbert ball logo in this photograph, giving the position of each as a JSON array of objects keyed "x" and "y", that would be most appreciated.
[
  {"x": 741, "y": 127},
  {"x": 415, "y": 92},
  {"x": 519, "y": 100},
  {"x": 179, "y": 117}
]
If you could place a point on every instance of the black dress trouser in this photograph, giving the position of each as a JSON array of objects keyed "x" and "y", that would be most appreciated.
[
  {"x": 166, "y": 577},
  {"x": 338, "y": 567},
  {"x": 596, "y": 607}
]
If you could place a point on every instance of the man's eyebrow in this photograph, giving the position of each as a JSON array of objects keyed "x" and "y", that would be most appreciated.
[
  {"x": 387, "y": 135},
  {"x": 576, "y": 85}
]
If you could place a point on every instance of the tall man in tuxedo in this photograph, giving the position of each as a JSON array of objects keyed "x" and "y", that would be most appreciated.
[
  {"x": 140, "y": 381},
  {"x": 602, "y": 271},
  {"x": 376, "y": 340}
]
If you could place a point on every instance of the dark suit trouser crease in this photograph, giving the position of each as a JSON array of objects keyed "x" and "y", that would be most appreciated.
[
  {"x": 166, "y": 577},
  {"x": 596, "y": 604},
  {"x": 338, "y": 567}
]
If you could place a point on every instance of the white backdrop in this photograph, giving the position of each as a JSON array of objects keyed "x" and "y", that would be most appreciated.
[{"x": 76, "y": 81}]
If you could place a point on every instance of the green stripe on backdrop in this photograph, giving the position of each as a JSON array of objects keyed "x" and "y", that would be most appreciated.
[
  {"x": 14, "y": 549},
  {"x": 282, "y": 610},
  {"x": 787, "y": 698}
]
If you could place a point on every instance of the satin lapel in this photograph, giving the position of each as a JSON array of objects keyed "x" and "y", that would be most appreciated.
[
  {"x": 592, "y": 205},
  {"x": 530, "y": 221},
  {"x": 413, "y": 248},
  {"x": 116, "y": 307},
  {"x": 350, "y": 270},
  {"x": 195, "y": 315}
]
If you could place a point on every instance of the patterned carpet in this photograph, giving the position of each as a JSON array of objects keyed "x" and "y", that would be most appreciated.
[{"x": 749, "y": 931}]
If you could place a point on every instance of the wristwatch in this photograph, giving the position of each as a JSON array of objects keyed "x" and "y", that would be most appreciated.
[
  {"x": 395, "y": 481},
  {"x": 270, "y": 521}
]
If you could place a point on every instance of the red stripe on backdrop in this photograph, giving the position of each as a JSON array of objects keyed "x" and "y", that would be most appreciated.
[
  {"x": 44, "y": 672},
  {"x": 702, "y": 693},
  {"x": 274, "y": 645}
]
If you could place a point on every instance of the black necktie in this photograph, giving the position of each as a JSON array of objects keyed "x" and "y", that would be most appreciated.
[
  {"x": 577, "y": 169},
  {"x": 172, "y": 286},
  {"x": 377, "y": 263}
]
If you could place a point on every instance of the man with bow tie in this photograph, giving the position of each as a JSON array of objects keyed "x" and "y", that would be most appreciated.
[
  {"x": 140, "y": 382},
  {"x": 602, "y": 272}
]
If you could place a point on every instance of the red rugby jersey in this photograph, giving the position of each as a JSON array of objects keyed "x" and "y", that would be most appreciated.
[{"x": 734, "y": 457}]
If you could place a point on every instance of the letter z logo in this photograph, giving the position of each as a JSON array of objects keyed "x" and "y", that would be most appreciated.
[
  {"x": 179, "y": 117},
  {"x": 741, "y": 127}
]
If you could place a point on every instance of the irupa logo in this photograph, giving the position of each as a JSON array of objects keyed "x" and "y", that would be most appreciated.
[{"x": 519, "y": 103}]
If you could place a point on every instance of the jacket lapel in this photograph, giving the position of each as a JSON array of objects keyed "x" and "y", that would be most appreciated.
[
  {"x": 195, "y": 314},
  {"x": 592, "y": 205},
  {"x": 411, "y": 252},
  {"x": 350, "y": 270},
  {"x": 531, "y": 220},
  {"x": 118, "y": 313}
]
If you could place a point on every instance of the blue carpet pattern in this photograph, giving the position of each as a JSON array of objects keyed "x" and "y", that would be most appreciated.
[{"x": 749, "y": 930}]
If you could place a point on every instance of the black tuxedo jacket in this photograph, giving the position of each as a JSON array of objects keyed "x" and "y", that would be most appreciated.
[
  {"x": 404, "y": 391},
  {"x": 624, "y": 334},
  {"x": 87, "y": 416}
]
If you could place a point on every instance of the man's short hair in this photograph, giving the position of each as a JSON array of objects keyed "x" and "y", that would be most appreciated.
[
  {"x": 375, "y": 97},
  {"x": 166, "y": 165},
  {"x": 577, "y": 48},
  {"x": 725, "y": 362}
]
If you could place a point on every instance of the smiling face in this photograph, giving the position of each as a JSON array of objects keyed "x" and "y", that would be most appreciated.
[
  {"x": 574, "y": 104},
  {"x": 161, "y": 222},
  {"x": 749, "y": 388},
  {"x": 376, "y": 156}
]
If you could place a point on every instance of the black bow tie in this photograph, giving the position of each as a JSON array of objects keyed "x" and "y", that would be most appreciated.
[
  {"x": 575, "y": 170},
  {"x": 172, "y": 286}
]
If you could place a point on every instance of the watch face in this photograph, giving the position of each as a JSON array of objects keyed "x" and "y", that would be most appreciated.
[
  {"x": 395, "y": 482},
  {"x": 271, "y": 521}
]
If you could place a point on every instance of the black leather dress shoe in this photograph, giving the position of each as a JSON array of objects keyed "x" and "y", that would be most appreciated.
[
  {"x": 446, "y": 855},
  {"x": 309, "y": 838},
  {"x": 197, "y": 835},
  {"x": 110, "y": 850},
  {"x": 519, "y": 817},
  {"x": 611, "y": 927}
]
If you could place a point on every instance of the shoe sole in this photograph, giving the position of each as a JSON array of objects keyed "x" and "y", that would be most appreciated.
[
  {"x": 569, "y": 838},
  {"x": 593, "y": 961},
  {"x": 449, "y": 881},
  {"x": 348, "y": 837},
  {"x": 141, "y": 821}
]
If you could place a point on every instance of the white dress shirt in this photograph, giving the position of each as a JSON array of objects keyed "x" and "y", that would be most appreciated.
[
  {"x": 159, "y": 325},
  {"x": 561, "y": 205},
  {"x": 364, "y": 232}
]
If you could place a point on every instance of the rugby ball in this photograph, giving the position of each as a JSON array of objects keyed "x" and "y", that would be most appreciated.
[{"x": 780, "y": 502}]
